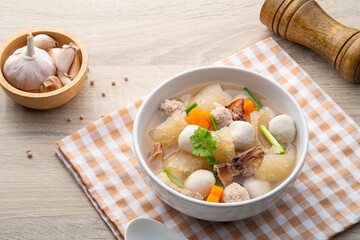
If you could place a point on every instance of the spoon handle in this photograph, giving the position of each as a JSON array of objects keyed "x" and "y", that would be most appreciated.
[{"x": 306, "y": 23}]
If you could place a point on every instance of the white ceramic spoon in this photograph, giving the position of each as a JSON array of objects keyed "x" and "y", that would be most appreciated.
[{"x": 147, "y": 228}]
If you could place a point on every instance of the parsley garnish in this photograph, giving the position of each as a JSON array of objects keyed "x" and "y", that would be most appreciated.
[{"x": 204, "y": 146}]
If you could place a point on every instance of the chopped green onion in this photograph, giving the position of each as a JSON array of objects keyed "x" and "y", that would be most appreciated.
[
  {"x": 271, "y": 138},
  {"x": 257, "y": 104},
  {"x": 191, "y": 107},
  {"x": 213, "y": 122},
  {"x": 173, "y": 178}
]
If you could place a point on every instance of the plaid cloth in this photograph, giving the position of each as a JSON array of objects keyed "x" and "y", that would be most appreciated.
[{"x": 323, "y": 202}]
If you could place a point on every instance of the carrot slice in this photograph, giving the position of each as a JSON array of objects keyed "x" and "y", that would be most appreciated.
[
  {"x": 215, "y": 194},
  {"x": 199, "y": 118},
  {"x": 249, "y": 107}
]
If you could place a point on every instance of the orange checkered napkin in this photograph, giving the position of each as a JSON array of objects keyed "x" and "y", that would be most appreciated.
[{"x": 324, "y": 200}]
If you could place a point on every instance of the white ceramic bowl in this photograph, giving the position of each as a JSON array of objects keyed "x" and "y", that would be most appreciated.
[{"x": 227, "y": 75}]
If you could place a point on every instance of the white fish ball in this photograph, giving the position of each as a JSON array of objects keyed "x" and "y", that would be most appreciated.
[
  {"x": 282, "y": 127},
  {"x": 184, "y": 138},
  {"x": 256, "y": 187},
  {"x": 243, "y": 134},
  {"x": 200, "y": 181}
]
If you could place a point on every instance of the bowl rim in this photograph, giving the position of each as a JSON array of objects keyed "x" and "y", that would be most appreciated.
[
  {"x": 84, "y": 62},
  {"x": 280, "y": 187}
]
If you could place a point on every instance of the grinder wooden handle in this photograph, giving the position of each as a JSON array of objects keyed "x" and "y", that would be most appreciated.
[{"x": 306, "y": 23}]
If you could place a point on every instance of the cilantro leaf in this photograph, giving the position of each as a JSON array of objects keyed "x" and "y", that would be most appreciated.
[{"x": 204, "y": 146}]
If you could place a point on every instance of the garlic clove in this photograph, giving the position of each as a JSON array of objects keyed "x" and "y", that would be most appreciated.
[
  {"x": 28, "y": 67},
  {"x": 50, "y": 84},
  {"x": 63, "y": 78},
  {"x": 75, "y": 66},
  {"x": 45, "y": 42},
  {"x": 64, "y": 58},
  {"x": 53, "y": 53}
]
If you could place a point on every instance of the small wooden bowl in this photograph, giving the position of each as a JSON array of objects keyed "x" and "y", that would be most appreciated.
[{"x": 50, "y": 99}]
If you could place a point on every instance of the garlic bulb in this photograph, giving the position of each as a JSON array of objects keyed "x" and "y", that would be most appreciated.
[
  {"x": 27, "y": 68},
  {"x": 75, "y": 66},
  {"x": 50, "y": 84},
  {"x": 45, "y": 42}
]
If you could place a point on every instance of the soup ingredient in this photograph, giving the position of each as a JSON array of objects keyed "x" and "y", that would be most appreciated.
[
  {"x": 75, "y": 66},
  {"x": 246, "y": 165},
  {"x": 236, "y": 108},
  {"x": 204, "y": 146},
  {"x": 92, "y": 82},
  {"x": 208, "y": 96},
  {"x": 68, "y": 119},
  {"x": 213, "y": 122},
  {"x": 222, "y": 116},
  {"x": 249, "y": 107},
  {"x": 169, "y": 107},
  {"x": 168, "y": 132},
  {"x": 126, "y": 79},
  {"x": 282, "y": 127},
  {"x": 166, "y": 180},
  {"x": 225, "y": 149},
  {"x": 261, "y": 117},
  {"x": 50, "y": 84},
  {"x": 200, "y": 181},
  {"x": 257, "y": 104},
  {"x": 215, "y": 194},
  {"x": 156, "y": 152},
  {"x": 63, "y": 78},
  {"x": 103, "y": 94},
  {"x": 173, "y": 178},
  {"x": 191, "y": 107},
  {"x": 234, "y": 193},
  {"x": 27, "y": 68},
  {"x": 256, "y": 187},
  {"x": 199, "y": 118},
  {"x": 113, "y": 83},
  {"x": 182, "y": 164},
  {"x": 276, "y": 167},
  {"x": 81, "y": 117},
  {"x": 184, "y": 138},
  {"x": 271, "y": 138},
  {"x": 243, "y": 134},
  {"x": 44, "y": 42}
]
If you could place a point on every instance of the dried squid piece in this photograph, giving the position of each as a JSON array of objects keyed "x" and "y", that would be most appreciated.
[
  {"x": 156, "y": 152},
  {"x": 236, "y": 108},
  {"x": 246, "y": 165}
]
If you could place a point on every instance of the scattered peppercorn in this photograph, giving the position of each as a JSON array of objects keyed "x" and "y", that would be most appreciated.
[
  {"x": 92, "y": 82},
  {"x": 68, "y": 119},
  {"x": 113, "y": 83},
  {"x": 102, "y": 115},
  {"x": 29, "y": 154},
  {"x": 126, "y": 79},
  {"x": 81, "y": 117},
  {"x": 103, "y": 94}
]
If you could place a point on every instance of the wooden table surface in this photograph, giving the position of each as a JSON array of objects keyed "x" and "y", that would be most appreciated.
[{"x": 147, "y": 41}]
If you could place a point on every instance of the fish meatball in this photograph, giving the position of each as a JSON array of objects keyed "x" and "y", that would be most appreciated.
[
  {"x": 200, "y": 181},
  {"x": 282, "y": 127},
  {"x": 169, "y": 107},
  {"x": 256, "y": 187},
  {"x": 234, "y": 193},
  {"x": 184, "y": 138},
  {"x": 243, "y": 134},
  {"x": 222, "y": 116}
]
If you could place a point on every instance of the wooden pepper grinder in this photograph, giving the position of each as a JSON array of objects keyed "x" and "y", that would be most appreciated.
[{"x": 304, "y": 22}]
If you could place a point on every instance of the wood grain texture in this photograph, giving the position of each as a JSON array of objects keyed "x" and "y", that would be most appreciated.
[
  {"x": 306, "y": 23},
  {"x": 147, "y": 41}
]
